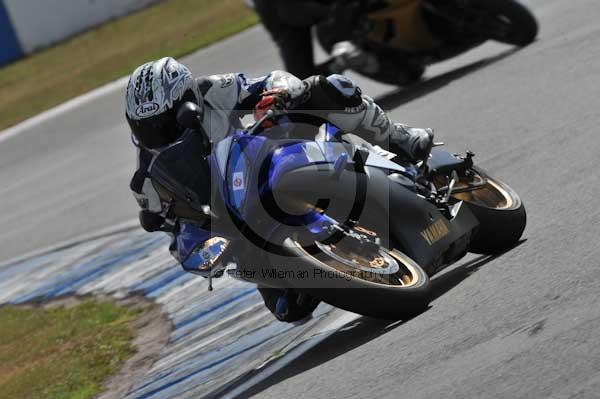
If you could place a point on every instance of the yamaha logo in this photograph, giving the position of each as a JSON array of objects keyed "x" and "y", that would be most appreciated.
[{"x": 147, "y": 109}]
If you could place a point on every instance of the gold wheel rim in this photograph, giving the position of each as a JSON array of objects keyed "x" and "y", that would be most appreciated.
[
  {"x": 407, "y": 276},
  {"x": 492, "y": 194}
]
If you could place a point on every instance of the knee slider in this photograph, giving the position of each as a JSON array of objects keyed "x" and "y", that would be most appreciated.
[{"x": 342, "y": 90}]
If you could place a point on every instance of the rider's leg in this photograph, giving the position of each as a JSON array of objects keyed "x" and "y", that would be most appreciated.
[{"x": 338, "y": 100}]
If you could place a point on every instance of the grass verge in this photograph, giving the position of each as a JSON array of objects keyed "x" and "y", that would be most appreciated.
[
  {"x": 172, "y": 27},
  {"x": 66, "y": 352}
]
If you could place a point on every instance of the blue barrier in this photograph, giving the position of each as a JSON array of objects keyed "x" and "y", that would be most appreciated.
[{"x": 10, "y": 49}]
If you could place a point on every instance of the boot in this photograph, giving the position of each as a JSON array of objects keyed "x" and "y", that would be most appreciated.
[{"x": 411, "y": 143}]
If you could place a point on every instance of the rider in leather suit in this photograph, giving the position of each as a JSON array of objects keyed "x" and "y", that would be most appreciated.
[{"x": 157, "y": 89}]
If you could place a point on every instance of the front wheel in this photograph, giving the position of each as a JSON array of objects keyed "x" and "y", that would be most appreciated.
[
  {"x": 497, "y": 207},
  {"x": 373, "y": 281}
]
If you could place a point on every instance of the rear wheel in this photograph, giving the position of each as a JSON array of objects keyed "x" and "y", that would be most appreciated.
[
  {"x": 497, "y": 207},
  {"x": 507, "y": 21}
]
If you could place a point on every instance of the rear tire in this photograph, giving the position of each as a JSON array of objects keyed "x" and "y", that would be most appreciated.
[
  {"x": 498, "y": 230},
  {"x": 500, "y": 227},
  {"x": 521, "y": 25}
]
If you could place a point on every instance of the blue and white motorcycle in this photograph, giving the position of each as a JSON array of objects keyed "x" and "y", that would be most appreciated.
[{"x": 333, "y": 218}]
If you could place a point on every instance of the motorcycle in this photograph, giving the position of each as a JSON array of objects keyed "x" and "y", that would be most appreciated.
[
  {"x": 334, "y": 218},
  {"x": 394, "y": 40}
]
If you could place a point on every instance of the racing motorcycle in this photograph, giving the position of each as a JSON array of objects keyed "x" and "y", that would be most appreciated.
[
  {"x": 334, "y": 217},
  {"x": 394, "y": 40}
]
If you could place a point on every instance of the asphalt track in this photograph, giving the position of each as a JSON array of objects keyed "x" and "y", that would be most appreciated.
[
  {"x": 217, "y": 341},
  {"x": 521, "y": 325}
]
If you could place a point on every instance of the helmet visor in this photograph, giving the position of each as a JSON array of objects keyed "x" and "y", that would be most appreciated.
[{"x": 156, "y": 131}]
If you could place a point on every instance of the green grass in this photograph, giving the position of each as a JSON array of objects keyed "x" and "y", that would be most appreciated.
[
  {"x": 170, "y": 28},
  {"x": 62, "y": 353}
]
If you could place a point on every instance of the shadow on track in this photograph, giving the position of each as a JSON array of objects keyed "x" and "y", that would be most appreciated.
[
  {"x": 362, "y": 330},
  {"x": 420, "y": 89},
  {"x": 347, "y": 338},
  {"x": 444, "y": 282}
]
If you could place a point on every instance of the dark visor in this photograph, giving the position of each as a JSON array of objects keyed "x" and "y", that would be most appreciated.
[{"x": 156, "y": 131}]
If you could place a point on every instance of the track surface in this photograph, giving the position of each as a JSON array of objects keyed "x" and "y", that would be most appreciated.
[
  {"x": 215, "y": 338},
  {"x": 522, "y": 325}
]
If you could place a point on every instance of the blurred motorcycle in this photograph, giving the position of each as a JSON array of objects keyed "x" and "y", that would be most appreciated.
[{"x": 393, "y": 41}]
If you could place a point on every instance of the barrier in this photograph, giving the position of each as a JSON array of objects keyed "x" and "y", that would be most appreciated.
[
  {"x": 28, "y": 25},
  {"x": 10, "y": 48}
]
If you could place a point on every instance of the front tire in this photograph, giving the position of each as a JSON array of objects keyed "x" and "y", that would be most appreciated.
[{"x": 398, "y": 295}]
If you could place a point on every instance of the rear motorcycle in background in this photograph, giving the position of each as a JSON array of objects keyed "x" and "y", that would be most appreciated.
[{"x": 393, "y": 41}]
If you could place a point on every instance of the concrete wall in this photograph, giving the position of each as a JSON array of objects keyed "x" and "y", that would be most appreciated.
[{"x": 34, "y": 24}]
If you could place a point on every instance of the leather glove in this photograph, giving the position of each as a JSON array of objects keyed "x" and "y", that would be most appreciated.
[
  {"x": 277, "y": 100},
  {"x": 151, "y": 221}
]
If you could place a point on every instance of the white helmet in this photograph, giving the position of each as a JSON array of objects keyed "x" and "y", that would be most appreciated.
[{"x": 154, "y": 93}]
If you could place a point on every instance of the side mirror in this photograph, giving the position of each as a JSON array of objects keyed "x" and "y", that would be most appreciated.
[{"x": 189, "y": 115}]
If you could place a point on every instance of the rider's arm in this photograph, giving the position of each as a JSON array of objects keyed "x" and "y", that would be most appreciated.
[
  {"x": 336, "y": 99},
  {"x": 185, "y": 236},
  {"x": 230, "y": 97},
  {"x": 235, "y": 92}
]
